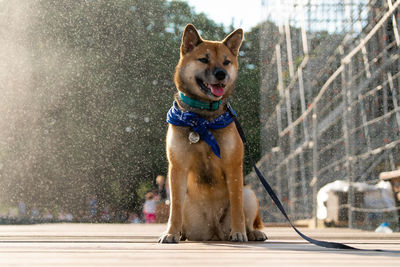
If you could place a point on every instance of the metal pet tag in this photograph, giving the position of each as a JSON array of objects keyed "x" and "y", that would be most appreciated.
[{"x": 194, "y": 137}]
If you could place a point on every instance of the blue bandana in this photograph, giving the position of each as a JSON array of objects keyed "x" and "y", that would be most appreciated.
[{"x": 200, "y": 125}]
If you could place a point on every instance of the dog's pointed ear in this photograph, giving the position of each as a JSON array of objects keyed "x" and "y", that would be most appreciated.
[
  {"x": 233, "y": 41},
  {"x": 190, "y": 39}
]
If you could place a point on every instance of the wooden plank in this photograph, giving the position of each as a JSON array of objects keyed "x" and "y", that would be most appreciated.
[{"x": 136, "y": 245}]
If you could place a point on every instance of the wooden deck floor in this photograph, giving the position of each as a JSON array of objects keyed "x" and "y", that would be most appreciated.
[{"x": 136, "y": 245}]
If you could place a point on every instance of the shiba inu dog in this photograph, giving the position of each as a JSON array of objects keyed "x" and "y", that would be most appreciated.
[{"x": 204, "y": 148}]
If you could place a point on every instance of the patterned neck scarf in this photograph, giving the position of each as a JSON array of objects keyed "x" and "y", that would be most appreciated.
[{"x": 200, "y": 125}]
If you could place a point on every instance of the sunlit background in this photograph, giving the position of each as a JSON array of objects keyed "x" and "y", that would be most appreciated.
[{"x": 85, "y": 87}]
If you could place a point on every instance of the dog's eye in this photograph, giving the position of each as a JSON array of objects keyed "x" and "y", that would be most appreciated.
[
  {"x": 226, "y": 62},
  {"x": 203, "y": 60}
]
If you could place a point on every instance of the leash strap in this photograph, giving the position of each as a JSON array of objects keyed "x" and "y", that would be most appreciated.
[{"x": 277, "y": 202}]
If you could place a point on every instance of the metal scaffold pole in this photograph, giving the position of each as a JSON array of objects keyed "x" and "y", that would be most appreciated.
[{"x": 330, "y": 100}]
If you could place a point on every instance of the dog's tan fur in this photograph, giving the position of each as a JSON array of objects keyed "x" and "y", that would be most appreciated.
[{"x": 208, "y": 199}]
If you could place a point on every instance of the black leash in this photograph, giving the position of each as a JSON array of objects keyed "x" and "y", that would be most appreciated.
[{"x": 277, "y": 202}]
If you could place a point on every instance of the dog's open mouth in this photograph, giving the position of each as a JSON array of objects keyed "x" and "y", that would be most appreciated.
[{"x": 214, "y": 89}]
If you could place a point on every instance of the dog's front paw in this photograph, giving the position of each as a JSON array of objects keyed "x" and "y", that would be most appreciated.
[
  {"x": 238, "y": 237},
  {"x": 257, "y": 235},
  {"x": 169, "y": 238}
]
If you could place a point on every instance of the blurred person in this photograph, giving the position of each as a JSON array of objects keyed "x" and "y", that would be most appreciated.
[
  {"x": 68, "y": 216},
  {"x": 133, "y": 218},
  {"x": 149, "y": 208},
  {"x": 162, "y": 208},
  {"x": 106, "y": 215},
  {"x": 22, "y": 209},
  {"x": 35, "y": 213},
  {"x": 61, "y": 216},
  {"x": 93, "y": 205},
  {"x": 121, "y": 215},
  {"x": 168, "y": 191},
  {"x": 156, "y": 196},
  {"x": 47, "y": 215},
  {"x": 161, "y": 187},
  {"x": 80, "y": 216}
]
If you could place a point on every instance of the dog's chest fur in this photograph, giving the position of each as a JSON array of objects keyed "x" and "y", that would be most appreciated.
[{"x": 206, "y": 168}]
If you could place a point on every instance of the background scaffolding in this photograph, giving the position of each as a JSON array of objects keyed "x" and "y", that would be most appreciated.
[{"x": 329, "y": 99}]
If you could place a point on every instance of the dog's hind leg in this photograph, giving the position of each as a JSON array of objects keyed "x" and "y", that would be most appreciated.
[{"x": 254, "y": 224}]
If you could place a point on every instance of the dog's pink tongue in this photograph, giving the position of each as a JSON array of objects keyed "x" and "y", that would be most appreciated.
[{"x": 217, "y": 90}]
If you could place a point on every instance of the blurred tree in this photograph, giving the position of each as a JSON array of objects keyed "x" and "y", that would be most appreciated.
[
  {"x": 101, "y": 83},
  {"x": 246, "y": 98}
]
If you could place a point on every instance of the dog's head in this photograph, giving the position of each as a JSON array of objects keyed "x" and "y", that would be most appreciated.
[{"x": 207, "y": 69}]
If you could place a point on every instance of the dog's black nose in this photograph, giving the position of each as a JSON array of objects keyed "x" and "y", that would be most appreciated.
[{"x": 220, "y": 74}]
